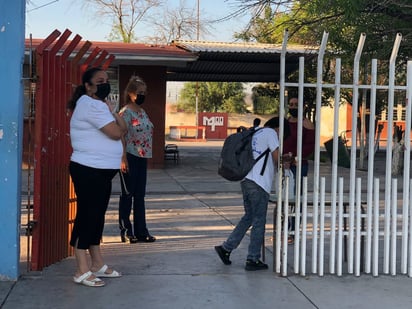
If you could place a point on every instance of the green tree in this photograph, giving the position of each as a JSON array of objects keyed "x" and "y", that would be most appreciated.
[
  {"x": 213, "y": 97},
  {"x": 265, "y": 99},
  {"x": 344, "y": 20}
]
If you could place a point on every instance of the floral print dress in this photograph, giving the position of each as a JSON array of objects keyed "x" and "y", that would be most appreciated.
[{"x": 139, "y": 137}]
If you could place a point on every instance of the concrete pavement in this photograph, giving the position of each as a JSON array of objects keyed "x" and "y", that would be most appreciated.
[{"x": 190, "y": 209}]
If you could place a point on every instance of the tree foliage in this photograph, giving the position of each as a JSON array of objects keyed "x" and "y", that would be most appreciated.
[
  {"x": 125, "y": 16},
  {"x": 213, "y": 97},
  {"x": 265, "y": 99},
  {"x": 344, "y": 20}
]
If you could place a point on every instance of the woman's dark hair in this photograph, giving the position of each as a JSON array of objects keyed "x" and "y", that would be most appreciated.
[
  {"x": 81, "y": 89},
  {"x": 274, "y": 124}
]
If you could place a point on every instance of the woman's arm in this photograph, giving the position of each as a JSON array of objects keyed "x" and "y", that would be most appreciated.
[
  {"x": 124, "y": 167},
  {"x": 116, "y": 129}
]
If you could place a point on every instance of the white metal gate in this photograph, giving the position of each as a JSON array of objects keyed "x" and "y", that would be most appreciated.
[{"x": 355, "y": 232}]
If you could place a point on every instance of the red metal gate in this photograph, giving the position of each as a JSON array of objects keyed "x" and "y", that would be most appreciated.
[{"x": 59, "y": 64}]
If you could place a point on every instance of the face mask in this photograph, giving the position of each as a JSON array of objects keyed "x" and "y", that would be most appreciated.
[
  {"x": 139, "y": 99},
  {"x": 103, "y": 91},
  {"x": 293, "y": 112}
]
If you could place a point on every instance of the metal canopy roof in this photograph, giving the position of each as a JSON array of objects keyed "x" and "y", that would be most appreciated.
[
  {"x": 241, "y": 62},
  {"x": 209, "y": 61}
]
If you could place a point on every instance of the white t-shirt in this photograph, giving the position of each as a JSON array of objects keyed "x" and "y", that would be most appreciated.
[
  {"x": 91, "y": 147},
  {"x": 262, "y": 140}
]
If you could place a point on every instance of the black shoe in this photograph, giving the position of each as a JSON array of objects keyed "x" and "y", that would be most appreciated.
[
  {"x": 255, "y": 265},
  {"x": 123, "y": 235},
  {"x": 124, "y": 238},
  {"x": 223, "y": 254},
  {"x": 147, "y": 238},
  {"x": 132, "y": 239}
]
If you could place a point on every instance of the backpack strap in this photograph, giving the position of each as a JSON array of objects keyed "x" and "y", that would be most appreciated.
[{"x": 266, "y": 155}]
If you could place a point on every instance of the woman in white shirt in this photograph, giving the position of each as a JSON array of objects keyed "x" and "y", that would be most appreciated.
[{"x": 95, "y": 134}]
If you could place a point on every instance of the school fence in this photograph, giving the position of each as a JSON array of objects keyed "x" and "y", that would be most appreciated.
[{"x": 367, "y": 228}]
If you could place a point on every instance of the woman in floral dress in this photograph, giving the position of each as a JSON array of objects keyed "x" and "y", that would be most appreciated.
[{"x": 137, "y": 149}]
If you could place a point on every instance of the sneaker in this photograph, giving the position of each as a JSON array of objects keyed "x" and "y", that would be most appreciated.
[
  {"x": 255, "y": 265},
  {"x": 223, "y": 254}
]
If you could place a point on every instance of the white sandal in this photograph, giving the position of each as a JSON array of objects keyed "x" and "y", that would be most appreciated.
[
  {"x": 84, "y": 279},
  {"x": 102, "y": 273}
]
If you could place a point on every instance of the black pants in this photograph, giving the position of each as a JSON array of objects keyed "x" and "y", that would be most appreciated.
[
  {"x": 133, "y": 194},
  {"x": 93, "y": 187}
]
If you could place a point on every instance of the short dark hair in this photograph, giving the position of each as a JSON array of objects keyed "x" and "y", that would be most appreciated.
[
  {"x": 274, "y": 124},
  {"x": 256, "y": 122}
]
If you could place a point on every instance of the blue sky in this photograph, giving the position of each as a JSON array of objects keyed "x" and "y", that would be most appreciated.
[{"x": 70, "y": 14}]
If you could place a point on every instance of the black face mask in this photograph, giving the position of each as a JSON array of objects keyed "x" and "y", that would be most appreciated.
[
  {"x": 293, "y": 112},
  {"x": 103, "y": 91},
  {"x": 139, "y": 99}
]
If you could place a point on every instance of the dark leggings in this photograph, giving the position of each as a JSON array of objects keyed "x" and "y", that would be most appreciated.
[
  {"x": 93, "y": 187},
  {"x": 133, "y": 194}
]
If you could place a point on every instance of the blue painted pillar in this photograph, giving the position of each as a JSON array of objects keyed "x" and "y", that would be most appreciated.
[{"x": 12, "y": 24}]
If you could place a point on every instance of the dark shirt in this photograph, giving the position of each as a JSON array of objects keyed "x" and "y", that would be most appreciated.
[{"x": 308, "y": 142}]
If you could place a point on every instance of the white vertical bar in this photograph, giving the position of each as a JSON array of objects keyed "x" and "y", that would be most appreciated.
[
  {"x": 304, "y": 226},
  {"x": 335, "y": 166},
  {"x": 371, "y": 155},
  {"x": 297, "y": 230},
  {"x": 386, "y": 235},
  {"x": 335, "y": 140},
  {"x": 335, "y": 131},
  {"x": 277, "y": 259},
  {"x": 352, "y": 178},
  {"x": 410, "y": 237},
  {"x": 358, "y": 226},
  {"x": 389, "y": 142},
  {"x": 340, "y": 227},
  {"x": 375, "y": 263},
  {"x": 404, "y": 245},
  {"x": 394, "y": 214},
  {"x": 282, "y": 86},
  {"x": 299, "y": 162},
  {"x": 332, "y": 247},
  {"x": 319, "y": 82},
  {"x": 285, "y": 230},
  {"x": 406, "y": 172},
  {"x": 322, "y": 226},
  {"x": 300, "y": 126},
  {"x": 314, "y": 238},
  {"x": 351, "y": 237},
  {"x": 277, "y": 237}
]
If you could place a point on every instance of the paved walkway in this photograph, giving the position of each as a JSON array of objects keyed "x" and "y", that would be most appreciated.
[{"x": 190, "y": 210}]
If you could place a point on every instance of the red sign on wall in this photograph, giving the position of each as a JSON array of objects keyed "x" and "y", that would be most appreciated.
[{"x": 215, "y": 123}]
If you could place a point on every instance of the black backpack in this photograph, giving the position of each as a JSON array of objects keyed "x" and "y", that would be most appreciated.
[{"x": 236, "y": 158}]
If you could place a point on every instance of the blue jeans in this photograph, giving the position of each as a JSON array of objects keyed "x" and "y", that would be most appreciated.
[
  {"x": 255, "y": 202},
  {"x": 135, "y": 185}
]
